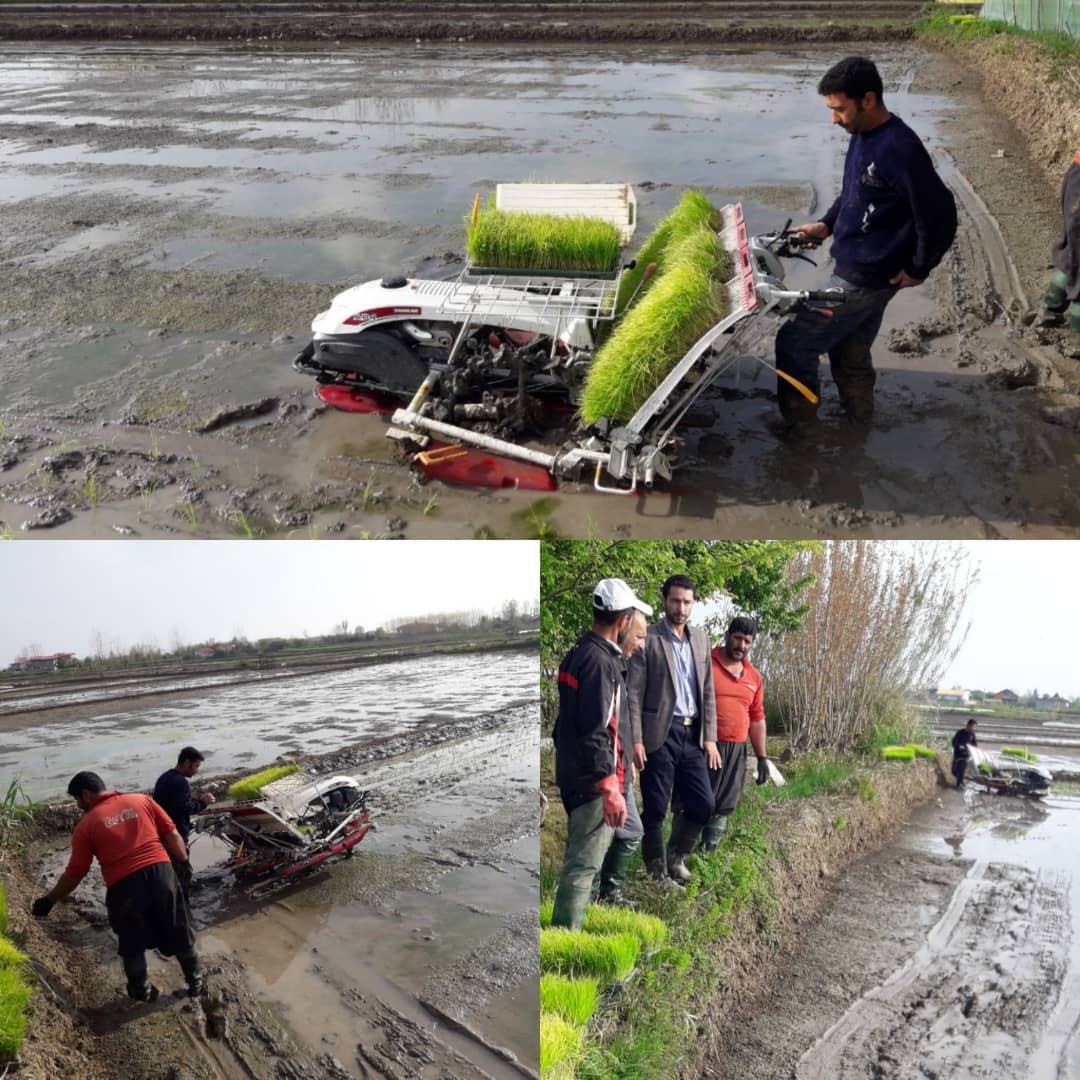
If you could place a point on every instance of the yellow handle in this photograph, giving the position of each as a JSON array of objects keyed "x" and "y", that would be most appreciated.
[
  {"x": 475, "y": 209},
  {"x": 802, "y": 388}
]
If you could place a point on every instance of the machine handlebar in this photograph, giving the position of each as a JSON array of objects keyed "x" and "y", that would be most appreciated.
[{"x": 826, "y": 296}]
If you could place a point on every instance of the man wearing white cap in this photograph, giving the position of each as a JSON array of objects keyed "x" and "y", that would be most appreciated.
[{"x": 592, "y": 760}]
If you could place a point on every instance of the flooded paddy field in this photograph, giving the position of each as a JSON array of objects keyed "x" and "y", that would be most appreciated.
[
  {"x": 416, "y": 957},
  {"x": 172, "y": 218},
  {"x": 953, "y": 952},
  {"x": 249, "y": 725},
  {"x": 1053, "y": 736}
]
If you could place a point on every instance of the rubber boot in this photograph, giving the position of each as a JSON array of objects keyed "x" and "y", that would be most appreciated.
[
  {"x": 613, "y": 873},
  {"x": 652, "y": 850},
  {"x": 1074, "y": 317},
  {"x": 684, "y": 835},
  {"x": 713, "y": 833},
  {"x": 139, "y": 987},
  {"x": 799, "y": 415},
  {"x": 857, "y": 400},
  {"x": 1055, "y": 299},
  {"x": 192, "y": 969}
]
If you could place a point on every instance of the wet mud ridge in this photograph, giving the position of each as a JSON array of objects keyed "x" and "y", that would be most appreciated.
[
  {"x": 415, "y": 959},
  {"x": 503, "y": 20}
]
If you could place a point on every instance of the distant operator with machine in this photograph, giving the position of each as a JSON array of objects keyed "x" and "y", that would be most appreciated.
[
  {"x": 136, "y": 844},
  {"x": 172, "y": 793},
  {"x": 964, "y": 738},
  {"x": 891, "y": 225}
]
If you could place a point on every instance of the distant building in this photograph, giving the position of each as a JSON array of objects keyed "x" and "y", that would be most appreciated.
[
  {"x": 1006, "y": 697},
  {"x": 31, "y": 665},
  {"x": 1054, "y": 703},
  {"x": 953, "y": 696},
  {"x": 206, "y": 652}
]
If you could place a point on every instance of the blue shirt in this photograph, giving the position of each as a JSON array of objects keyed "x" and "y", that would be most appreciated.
[
  {"x": 684, "y": 675},
  {"x": 894, "y": 213}
]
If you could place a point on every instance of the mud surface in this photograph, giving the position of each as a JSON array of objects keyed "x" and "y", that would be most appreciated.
[
  {"x": 330, "y": 23},
  {"x": 172, "y": 218},
  {"x": 954, "y": 952},
  {"x": 416, "y": 958}
]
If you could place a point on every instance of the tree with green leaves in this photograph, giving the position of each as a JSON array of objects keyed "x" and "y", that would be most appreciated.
[{"x": 751, "y": 575}]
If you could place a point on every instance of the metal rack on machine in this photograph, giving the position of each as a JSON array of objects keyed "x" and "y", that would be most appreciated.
[{"x": 523, "y": 298}]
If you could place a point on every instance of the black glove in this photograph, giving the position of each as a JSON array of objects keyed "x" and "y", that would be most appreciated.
[
  {"x": 41, "y": 907},
  {"x": 762, "y": 770},
  {"x": 183, "y": 872}
]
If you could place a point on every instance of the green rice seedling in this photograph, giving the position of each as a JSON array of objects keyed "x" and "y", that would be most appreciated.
[
  {"x": 561, "y": 1047},
  {"x": 650, "y": 931},
  {"x": 520, "y": 240},
  {"x": 1016, "y": 751},
  {"x": 692, "y": 213},
  {"x": 686, "y": 300},
  {"x": 986, "y": 768},
  {"x": 545, "y": 912},
  {"x": 898, "y": 753},
  {"x": 922, "y": 751},
  {"x": 14, "y": 994},
  {"x": 572, "y": 999},
  {"x": 606, "y": 957},
  {"x": 250, "y": 786},
  {"x": 11, "y": 955}
]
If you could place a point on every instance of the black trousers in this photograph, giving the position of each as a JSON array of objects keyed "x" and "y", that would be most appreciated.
[
  {"x": 147, "y": 910},
  {"x": 678, "y": 765},
  {"x": 959, "y": 767},
  {"x": 1066, "y": 253}
]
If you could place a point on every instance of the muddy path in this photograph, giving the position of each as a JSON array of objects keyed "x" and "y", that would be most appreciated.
[
  {"x": 416, "y": 958},
  {"x": 954, "y": 952},
  {"x": 172, "y": 219},
  {"x": 502, "y": 21}
]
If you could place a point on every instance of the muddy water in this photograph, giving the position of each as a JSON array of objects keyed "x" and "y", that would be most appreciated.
[
  {"x": 254, "y": 724},
  {"x": 435, "y": 917},
  {"x": 172, "y": 218},
  {"x": 953, "y": 953}
]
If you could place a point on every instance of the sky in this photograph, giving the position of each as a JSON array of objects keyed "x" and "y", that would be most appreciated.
[
  {"x": 59, "y": 594},
  {"x": 1025, "y": 618}
]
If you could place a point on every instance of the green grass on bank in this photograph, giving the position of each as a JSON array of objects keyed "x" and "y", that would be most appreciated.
[
  {"x": 251, "y": 786},
  {"x": 1062, "y": 50},
  {"x": 643, "y": 1033},
  {"x": 14, "y": 990}
]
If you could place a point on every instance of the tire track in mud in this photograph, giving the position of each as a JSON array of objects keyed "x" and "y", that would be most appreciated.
[{"x": 972, "y": 999}]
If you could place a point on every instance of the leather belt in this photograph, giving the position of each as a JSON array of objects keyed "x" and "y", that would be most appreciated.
[{"x": 686, "y": 721}]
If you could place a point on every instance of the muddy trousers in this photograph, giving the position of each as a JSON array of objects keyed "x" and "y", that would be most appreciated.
[
  {"x": 846, "y": 337},
  {"x": 627, "y": 839},
  {"x": 138, "y": 980},
  {"x": 587, "y": 842},
  {"x": 1065, "y": 286},
  {"x": 959, "y": 767}
]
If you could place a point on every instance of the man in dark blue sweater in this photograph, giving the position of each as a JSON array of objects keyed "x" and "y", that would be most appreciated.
[
  {"x": 891, "y": 225},
  {"x": 172, "y": 793}
]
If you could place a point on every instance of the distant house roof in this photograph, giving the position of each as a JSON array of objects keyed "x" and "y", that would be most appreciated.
[
  {"x": 51, "y": 656},
  {"x": 954, "y": 692}
]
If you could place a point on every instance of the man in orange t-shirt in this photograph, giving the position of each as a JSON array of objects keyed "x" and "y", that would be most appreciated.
[
  {"x": 740, "y": 711},
  {"x": 135, "y": 843}
]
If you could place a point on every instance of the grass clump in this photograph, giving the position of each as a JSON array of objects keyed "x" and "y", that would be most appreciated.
[
  {"x": 608, "y": 958},
  {"x": 520, "y": 240},
  {"x": 560, "y": 1047},
  {"x": 693, "y": 212},
  {"x": 574, "y": 1000},
  {"x": 251, "y": 786},
  {"x": 650, "y": 931},
  {"x": 1016, "y": 751},
  {"x": 14, "y": 994},
  {"x": 685, "y": 300},
  {"x": 11, "y": 955},
  {"x": 898, "y": 753}
]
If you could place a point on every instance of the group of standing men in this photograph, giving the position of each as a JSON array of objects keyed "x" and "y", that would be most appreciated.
[
  {"x": 141, "y": 845},
  {"x": 655, "y": 701}
]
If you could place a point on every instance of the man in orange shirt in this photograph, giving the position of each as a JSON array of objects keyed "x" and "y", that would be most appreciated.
[
  {"x": 136, "y": 844},
  {"x": 740, "y": 711}
]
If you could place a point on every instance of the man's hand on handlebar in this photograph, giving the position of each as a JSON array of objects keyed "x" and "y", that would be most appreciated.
[{"x": 811, "y": 234}]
